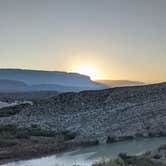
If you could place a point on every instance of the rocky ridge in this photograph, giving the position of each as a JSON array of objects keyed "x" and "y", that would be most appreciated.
[{"x": 105, "y": 115}]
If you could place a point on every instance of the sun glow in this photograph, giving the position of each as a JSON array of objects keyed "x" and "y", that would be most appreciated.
[{"x": 88, "y": 70}]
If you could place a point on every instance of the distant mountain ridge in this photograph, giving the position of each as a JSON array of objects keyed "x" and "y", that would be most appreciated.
[
  {"x": 12, "y": 85},
  {"x": 38, "y": 80},
  {"x": 32, "y": 77},
  {"x": 120, "y": 83},
  {"x": 16, "y": 80}
]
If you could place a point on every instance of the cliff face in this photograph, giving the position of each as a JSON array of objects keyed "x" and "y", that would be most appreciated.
[{"x": 105, "y": 115}]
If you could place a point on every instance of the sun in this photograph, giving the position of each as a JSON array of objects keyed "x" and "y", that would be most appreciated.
[{"x": 88, "y": 70}]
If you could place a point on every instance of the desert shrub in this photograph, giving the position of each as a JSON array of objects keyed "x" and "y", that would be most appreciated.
[
  {"x": 34, "y": 126},
  {"x": 110, "y": 139},
  {"x": 22, "y": 133},
  {"x": 157, "y": 156},
  {"x": 7, "y": 143},
  {"x": 40, "y": 132},
  {"x": 116, "y": 139},
  {"x": 143, "y": 161},
  {"x": 7, "y": 131},
  {"x": 11, "y": 131},
  {"x": 163, "y": 147},
  {"x": 10, "y": 128},
  {"x": 124, "y": 156},
  {"x": 115, "y": 162},
  {"x": 68, "y": 135},
  {"x": 9, "y": 111}
]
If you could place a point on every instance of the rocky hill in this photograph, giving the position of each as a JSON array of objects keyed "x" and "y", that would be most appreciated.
[{"x": 104, "y": 115}]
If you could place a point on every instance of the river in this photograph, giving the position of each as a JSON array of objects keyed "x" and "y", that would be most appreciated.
[{"x": 89, "y": 155}]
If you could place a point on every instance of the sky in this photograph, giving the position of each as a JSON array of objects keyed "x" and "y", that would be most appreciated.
[{"x": 107, "y": 39}]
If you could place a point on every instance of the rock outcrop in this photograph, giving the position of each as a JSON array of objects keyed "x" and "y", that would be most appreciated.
[{"x": 104, "y": 115}]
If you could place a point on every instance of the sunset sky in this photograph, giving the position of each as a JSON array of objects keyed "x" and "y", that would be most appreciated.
[{"x": 107, "y": 39}]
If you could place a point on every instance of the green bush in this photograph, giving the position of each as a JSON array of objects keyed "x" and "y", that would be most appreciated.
[
  {"x": 34, "y": 126},
  {"x": 115, "y": 162},
  {"x": 22, "y": 133},
  {"x": 68, "y": 136},
  {"x": 10, "y": 111},
  {"x": 124, "y": 156},
  {"x": 11, "y": 131},
  {"x": 7, "y": 143}
]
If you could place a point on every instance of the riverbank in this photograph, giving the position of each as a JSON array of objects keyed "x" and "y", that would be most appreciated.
[
  {"x": 70, "y": 120},
  {"x": 89, "y": 155},
  {"x": 152, "y": 158},
  {"x": 26, "y": 143}
]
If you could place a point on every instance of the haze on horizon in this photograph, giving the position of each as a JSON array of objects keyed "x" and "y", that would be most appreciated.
[{"x": 109, "y": 39}]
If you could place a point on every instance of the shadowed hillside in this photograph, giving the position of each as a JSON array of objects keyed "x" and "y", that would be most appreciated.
[{"x": 106, "y": 115}]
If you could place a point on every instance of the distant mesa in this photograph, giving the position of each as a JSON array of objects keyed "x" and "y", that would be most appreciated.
[
  {"x": 18, "y": 80},
  {"x": 13, "y": 80},
  {"x": 12, "y": 86},
  {"x": 120, "y": 83}
]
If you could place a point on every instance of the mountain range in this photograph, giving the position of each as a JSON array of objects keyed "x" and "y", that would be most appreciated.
[
  {"x": 120, "y": 83},
  {"x": 20, "y": 80},
  {"x": 13, "y": 80}
]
